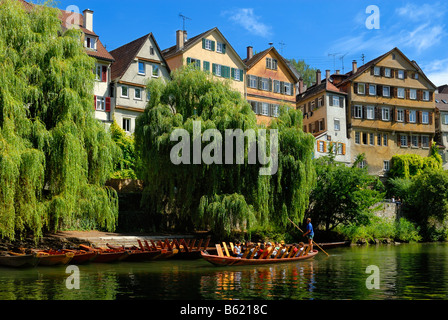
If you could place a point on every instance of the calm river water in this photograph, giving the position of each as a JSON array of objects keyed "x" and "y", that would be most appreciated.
[{"x": 406, "y": 271}]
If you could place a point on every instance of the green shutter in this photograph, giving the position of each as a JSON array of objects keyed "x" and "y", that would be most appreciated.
[
  {"x": 188, "y": 60},
  {"x": 214, "y": 68},
  {"x": 198, "y": 64},
  {"x": 241, "y": 75},
  {"x": 227, "y": 72},
  {"x": 213, "y": 45},
  {"x": 203, "y": 43},
  {"x": 233, "y": 73},
  {"x": 270, "y": 85},
  {"x": 224, "y": 48},
  {"x": 206, "y": 66}
]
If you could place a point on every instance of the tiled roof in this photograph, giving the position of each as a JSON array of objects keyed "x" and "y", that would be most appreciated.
[
  {"x": 443, "y": 89},
  {"x": 440, "y": 97},
  {"x": 317, "y": 88},
  {"x": 256, "y": 57},
  {"x": 124, "y": 56},
  {"x": 172, "y": 51},
  {"x": 67, "y": 21}
]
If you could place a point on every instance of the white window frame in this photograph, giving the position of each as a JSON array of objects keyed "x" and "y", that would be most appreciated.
[
  {"x": 385, "y": 140},
  {"x": 357, "y": 137},
  {"x": 413, "y": 94},
  {"x": 445, "y": 118},
  {"x": 372, "y": 86},
  {"x": 208, "y": 44},
  {"x": 336, "y": 101},
  {"x": 385, "y": 113},
  {"x": 237, "y": 75},
  {"x": 268, "y": 63},
  {"x": 404, "y": 141},
  {"x": 386, "y": 165},
  {"x": 425, "y": 142},
  {"x": 275, "y": 110},
  {"x": 370, "y": 110},
  {"x": 155, "y": 67},
  {"x": 401, "y": 74},
  {"x": 358, "y": 112},
  {"x": 337, "y": 125},
  {"x": 377, "y": 71},
  {"x": 218, "y": 70},
  {"x": 400, "y": 115},
  {"x": 265, "y": 109},
  {"x": 401, "y": 93},
  {"x": 388, "y": 91},
  {"x": 340, "y": 148},
  {"x": 265, "y": 84},
  {"x": 412, "y": 116},
  {"x": 321, "y": 147},
  {"x": 219, "y": 47},
  {"x": 135, "y": 93},
  {"x": 425, "y": 117},
  {"x": 253, "y": 81},
  {"x": 100, "y": 103},
  {"x": 98, "y": 72},
  {"x": 363, "y": 86},
  {"x": 425, "y": 95},
  {"x": 127, "y": 92},
  {"x": 276, "y": 86},
  {"x": 414, "y": 141},
  {"x": 126, "y": 128},
  {"x": 371, "y": 139},
  {"x": 142, "y": 73},
  {"x": 288, "y": 88},
  {"x": 387, "y": 72}
]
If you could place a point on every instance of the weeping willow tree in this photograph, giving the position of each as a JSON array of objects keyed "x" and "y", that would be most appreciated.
[
  {"x": 223, "y": 197},
  {"x": 54, "y": 156}
]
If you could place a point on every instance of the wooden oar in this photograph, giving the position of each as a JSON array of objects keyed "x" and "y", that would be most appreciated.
[{"x": 311, "y": 240}]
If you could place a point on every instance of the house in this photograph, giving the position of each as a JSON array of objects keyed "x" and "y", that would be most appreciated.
[
  {"x": 390, "y": 110},
  {"x": 136, "y": 63},
  {"x": 94, "y": 48},
  {"x": 441, "y": 122},
  {"x": 210, "y": 52},
  {"x": 270, "y": 83},
  {"x": 324, "y": 115}
]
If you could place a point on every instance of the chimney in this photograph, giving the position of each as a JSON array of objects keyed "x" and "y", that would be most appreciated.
[
  {"x": 327, "y": 74},
  {"x": 185, "y": 36},
  {"x": 301, "y": 85},
  {"x": 88, "y": 19},
  {"x": 318, "y": 77},
  {"x": 338, "y": 71},
  {"x": 250, "y": 52},
  {"x": 179, "y": 39},
  {"x": 355, "y": 66}
]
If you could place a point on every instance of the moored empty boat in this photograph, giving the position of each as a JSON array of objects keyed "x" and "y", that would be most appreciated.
[
  {"x": 53, "y": 257},
  {"x": 16, "y": 260}
]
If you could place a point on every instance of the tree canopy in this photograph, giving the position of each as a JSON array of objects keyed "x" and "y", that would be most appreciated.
[
  {"x": 222, "y": 197},
  {"x": 54, "y": 156}
]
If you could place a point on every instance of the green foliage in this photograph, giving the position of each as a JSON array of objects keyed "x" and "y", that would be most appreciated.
[
  {"x": 308, "y": 74},
  {"x": 125, "y": 167},
  {"x": 221, "y": 197},
  {"x": 409, "y": 165},
  {"x": 342, "y": 194},
  {"x": 54, "y": 156}
]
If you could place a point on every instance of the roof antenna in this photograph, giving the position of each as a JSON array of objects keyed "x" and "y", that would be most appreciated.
[
  {"x": 342, "y": 59},
  {"x": 282, "y": 45},
  {"x": 334, "y": 59},
  {"x": 184, "y": 18}
]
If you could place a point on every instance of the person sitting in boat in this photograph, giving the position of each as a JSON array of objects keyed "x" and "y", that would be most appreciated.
[
  {"x": 282, "y": 250},
  {"x": 301, "y": 249},
  {"x": 259, "y": 252},
  {"x": 237, "y": 250},
  {"x": 276, "y": 248}
]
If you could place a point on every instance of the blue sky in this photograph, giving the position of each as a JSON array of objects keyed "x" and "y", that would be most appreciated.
[{"x": 320, "y": 32}]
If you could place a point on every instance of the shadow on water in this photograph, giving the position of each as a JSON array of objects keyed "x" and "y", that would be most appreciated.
[{"x": 408, "y": 271}]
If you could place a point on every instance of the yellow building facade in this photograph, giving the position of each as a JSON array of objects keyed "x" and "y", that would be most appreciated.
[
  {"x": 391, "y": 110},
  {"x": 270, "y": 83},
  {"x": 210, "y": 52}
]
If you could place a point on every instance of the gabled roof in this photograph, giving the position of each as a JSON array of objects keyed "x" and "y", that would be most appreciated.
[
  {"x": 440, "y": 104},
  {"x": 318, "y": 88},
  {"x": 66, "y": 17},
  {"x": 351, "y": 76},
  {"x": 125, "y": 54},
  {"x": 257, "y": 57},
  {"x": 173, "y": 51}
]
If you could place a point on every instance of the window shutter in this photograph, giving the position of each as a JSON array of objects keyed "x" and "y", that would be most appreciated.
[
  {"x": 223, "y": 48},
  {"x": 344, "y": 149},
  {"x": 379, "y": 90},
  {"x": 380, "y": 113},
  {"x": 241, "y": 74},
  {"x": 399, "y": 140},
  {"x": 203, "y": 43},
  {"x": 213, "y": 45},
  {"x": 353, "y": 110},
  {"x": 214, "y": 68},
  {"x": 430, "y": 117},
  {"x": 315, "y": 103},
  {"x": 406, "y": 116},
  {"x": 94, "y": 102},
  {"x": 188, "y": 60},
  {"x": 394, "y": 92},
  {"x": 260, "y": 83},
  {"x": 419, "y": 95},
  {"x": 198, "y": 64},
  {"x": 331, "y": 100},
  {"x": 107, "y": 104},
  {"x": 407, "y": 93},
  {"x": 325, "y": 147},
  {"x": 419, "y": 141},
  {"x": 341, "y": 102},
  {"x": 419, "y": 116},
  {"x": 226, "y": 72},
  {"x": 355, "y": 88},
  {"x": 206, "y": 66},
  {"x": 372, "y": 70},
  {"x": 323, "y": 124},
  {"x": 104, "y": 74},
  {"x": 282, "y": 87},
  {"x": 405, "y": 74},
  {"x": 382, "y": 71},
  {"x": 431, "y": 96},
  {"x": 232, "y": 73}
]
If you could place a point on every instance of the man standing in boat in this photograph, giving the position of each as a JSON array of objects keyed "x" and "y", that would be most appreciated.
[{"x": 309, "y": 233}]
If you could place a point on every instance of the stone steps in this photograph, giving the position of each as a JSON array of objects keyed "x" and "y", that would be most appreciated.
[{"x": 128, "y": 241}]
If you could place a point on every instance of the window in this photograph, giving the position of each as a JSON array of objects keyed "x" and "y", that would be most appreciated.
[
  {"x": 98, "y": 72},
  {"x": 361, "y": 88},
  {"x": 425, "y": 117},
  {"x": 127, "y": 124},
  {"x": 288, "y": 89},
  {"x": 268, "y": 63},
  {"x": 208, "y": 44},
  {"x": 320, "y": 102},
  {"x": 218, "y": 70},
  {"x": 357, "y": 138},
  {"x": 265, "y": 109},
  {"x": 90, "y": 43},
  {"x": 416, "y": 76},
  {"x": 364, "y": 138},
  {"x": 100, "y": 103},
  {"x": 220, "y": 47},
  {"x": 377, "y": 71},
  {"x": 414, "y": 141},
  {"x": 372, "y": 89},
  {"x": 155, "y": 70},
  {"x": 276, "y": 86},
  {"x": 340, "y": 148},
  {"x": 385, "y": 114},
  {"x": 274, "y": 64},
  {"x": 141, "y": 68},
  {"x": 413, "y": 94},
  {"x": 321, "y": 146},
  {"x": 265, "y": 84},
  {"x": 386, "y": 91},
  {"x": 385, "y": 140},
  {"x": 400, "y": 93},
  {"x": 358, "y": 112},
  {"x": 236, "y": 74},
  {"x": 426, "y": 95},
  {"x": 378, "y": 140},
  {"x": 275, "y": 110},
  {"x": 404, "y": 140},
  {"x": 138, "y": 94},
  {"x": 412, "y": 116},
  {"x": 386, "y": 165},
  {"x": 337, "y": 125},
  {"x": 425, "y": 142},
  {"x": 371, "y": 139},
  {"x": 336, "y": 101},
  {"x": 445, "y": 118},
  {"x": 387, "y": 72},
  {"x": 151, "y": 50},
  {"x": 370, "y": 112},
  {"x": 400, "y": 115},
  {"x": 363, "y": 164},
  {"x": 148, "y": 95},
  {"x": 125, "y": 91},
  {"x": 253, "y": 82},
  {"x": 400, "y": 74}
]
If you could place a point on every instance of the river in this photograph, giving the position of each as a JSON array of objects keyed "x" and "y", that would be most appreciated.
[{"x": 401, "y": 272}]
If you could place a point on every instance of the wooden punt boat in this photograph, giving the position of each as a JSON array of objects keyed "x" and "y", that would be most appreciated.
[
  {"x": 106, "y": 255},
  {"x": 190, "y": 249},
  {"x": 15, "y": 260},
  {"x": 248, "y": 258},
  {"x": 137, "y": 254},
  {"x": 53, "y": 258},
  {"x": 81, "y": 256}
]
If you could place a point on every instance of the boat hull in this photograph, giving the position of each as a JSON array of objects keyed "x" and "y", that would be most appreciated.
[
  {"x": 20, "y": 261},
  {"x": 55, "y": 259},
  {"x": 81, "y": 258},
  {"x": 233, "y": 261}
]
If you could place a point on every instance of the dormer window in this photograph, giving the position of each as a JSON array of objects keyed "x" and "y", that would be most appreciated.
[{"x": 90, "y": 43}]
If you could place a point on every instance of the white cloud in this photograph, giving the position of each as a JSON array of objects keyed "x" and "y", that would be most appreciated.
[
  {"x": 246, "y": 18},
  {"x": 437, "y": 71},
  {"x": 421, "y": 11},
  {"x": 424, "y": 37}
]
